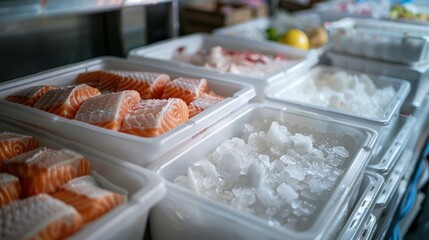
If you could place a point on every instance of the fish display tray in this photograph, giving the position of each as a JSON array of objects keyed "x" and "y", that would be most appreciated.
[
  {"x": 383, "y": 40},
  {"x": 257, "y": 27},
  {"x": 283, "y": 94},
  {"x": 361, "y": 215},
  {"x": 418, "y": 77},
  {"x": 145, "y": 189},
  {"x": 139, "y": 150},
  {"x": 184, "y": 214},
  {"x": 163, "y": 52}
]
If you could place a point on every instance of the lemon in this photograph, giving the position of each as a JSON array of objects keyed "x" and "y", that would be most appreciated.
[{"x": 296, "y": 38}]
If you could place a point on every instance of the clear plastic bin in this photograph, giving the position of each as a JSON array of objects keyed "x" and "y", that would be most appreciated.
[
  {"x": 383, "y": 40},
  {"x": 139, "y": 150},
  {"x": 418, "y": 77},
  {"x": 163, "y": 53},
  {"x": 145, "y": 189},
  {"x": 284, "y": 93},
  {"x": 186, "y": 215}
]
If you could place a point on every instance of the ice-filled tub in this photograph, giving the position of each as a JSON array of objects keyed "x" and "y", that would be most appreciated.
[
  {"x": 140, "y": 150},
  {"x": 144, "y": 188},
  {"x": 184, "y": 214}
]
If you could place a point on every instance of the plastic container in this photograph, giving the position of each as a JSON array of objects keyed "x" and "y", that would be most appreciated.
[
  {"x": 393, "y": 146},
  {"x": 417, "y": 76},
  {"x": 145, "y": 189},
  {"x": 163, "y": 52},
  {"x": 254, "y": 30},
  {"x": 361, "y": 215},
  {"x": 139, "y": 150},
  {"x": 383, "y": 40},
  {"x": 284, "y": 94},
  {"x": 369, "y": 229},
  {"x": 186, "y": 215}
]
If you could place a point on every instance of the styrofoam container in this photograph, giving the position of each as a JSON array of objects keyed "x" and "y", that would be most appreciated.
[
  {"x": 184, "y": 214},
  {"x": 139, "y": 150},
  {"x": 283, "y": 93},
  {"x": 145, "y": 189},
  {"x": 361, "y": 214},
  {"x": 254, "y": 30},
  {"x": 418, "y": 77},
  {"x": 383, "y": 40},
  {"x": 163, "y": 52}
]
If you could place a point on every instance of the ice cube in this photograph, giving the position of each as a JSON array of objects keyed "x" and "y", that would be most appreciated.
[
  {"x": 192, "y": 182},
  {"x": 243, "y": 197},
  {"x": 341, "y": 151},
  {"x": 296, "y": 172},
  {"x": 267, "y": 197},
  {"x": 256, "y": 175},
  {"x": 278, "y": 134},
  {"x": 208, "y": 168},
  {"x": 287, "y": 159},
  {"x": 302, "y": 144},
  {"x": 287, "y": 192},
  {"x": 259, "y": 141},
  {"x": 229, "y": 166}
]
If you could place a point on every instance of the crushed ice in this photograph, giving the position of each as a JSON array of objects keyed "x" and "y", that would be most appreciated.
[{"x": 275, "y": 174}]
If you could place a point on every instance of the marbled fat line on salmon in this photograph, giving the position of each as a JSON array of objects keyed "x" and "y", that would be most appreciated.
[
  {"x": 203, "y": 102},
  {"x": 88, "y": 198},
  {"x": 66, "y": 101},
  {"x": 151, "y": 118},
  {"x": 29, "y": 96},
  {"x": 150, "y": 85},
  {"x": 187, "y": 89},
  {"x": 38, "y": 217},
  {"x": 10, "y": 189},
  {"x": 13, "y": 144},
  {"x": 108, "y": 110},
  {"x": 103, "y": 80},
  {"x": 44, "y": 170}
]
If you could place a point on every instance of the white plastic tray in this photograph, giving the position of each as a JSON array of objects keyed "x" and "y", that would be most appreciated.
[
  {"x": 139, "y": 150},
  {"x": 282, "y": 93},
  {"x": 369, "y": 228},
  {"x": 162, "y": 53},
  {"x": 417, "y": 76},
  {"x": 145, "y": 189},
  {"x": 361, "y": 214},
  {"x": 254, "y": 30},
  {"x": 186, "y": 215},
  {"x": 383, "y": 40}
]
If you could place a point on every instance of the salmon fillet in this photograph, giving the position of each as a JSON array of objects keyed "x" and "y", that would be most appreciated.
[
  {"x": 13, "y": 144},
  {"x": 65, "y": 102},
  {"x": 30, "y": 95},
  {"x": 88, "y": 198},
  {"x": 103, "y": 80},
  {"x": 9, "y": 188},
  {"x": 202, "y": 103},
  {"x": 108, "y": 110},
  {"x": 150, "y": 85},
  {"x": 44, "y": 170},
  {"x": 151, "y": 118},
  {"x": 187, "y": 89},
  {"x": 38, "y": 217}
]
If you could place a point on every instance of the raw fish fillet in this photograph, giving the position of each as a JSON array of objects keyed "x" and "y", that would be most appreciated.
[
  {"x": 44, "y": 170},
  {"x": 65, "y": 102},
  {"x": 187, "y": 89},
  {"x": 202, "y": 103},
  {"x": 88, "y": 198},
  {"x": 150, "y": 85},
  {"x": 154, "y": 117},
  {"x": 38, "y": 217},
  {"x": 13, "y": 144},
  {"x": 30, "y": 95},
  {"x": 9, "y": 188},
  {"x": 103, "y": 80},
  {"x": 108, "y": 110}
]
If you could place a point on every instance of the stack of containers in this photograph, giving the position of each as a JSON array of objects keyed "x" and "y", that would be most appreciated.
[
  {"x": 139, "y": 150},
  {"x": 143, "y": 188},
  {"x": 397, "y": 50}
]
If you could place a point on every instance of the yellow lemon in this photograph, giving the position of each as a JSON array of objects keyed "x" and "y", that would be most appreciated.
[{"x": 296, "y": 38}]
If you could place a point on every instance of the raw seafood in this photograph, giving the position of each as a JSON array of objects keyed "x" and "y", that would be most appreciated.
[
  {"x": 187, "y": 89},
  {"x": 202, "y": 103},
  {"x": 108, "y": 110},
  {"x": 38, "y": 217},
  {"x": 66, "y": 101},
  {"x": 29, "y": 96},
  {"x": 88, "y": 198},
  {"x": 44, "y": 170},
  {"x": 151, "y": 118},
  {"x": 9, "y": 188},
  {"x": 13, "y": 144}
]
